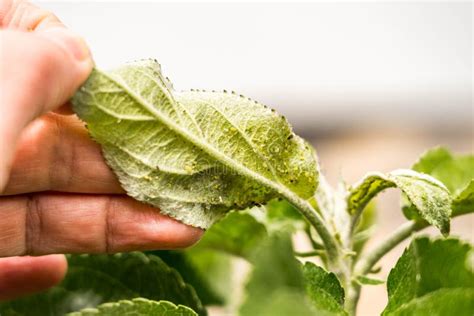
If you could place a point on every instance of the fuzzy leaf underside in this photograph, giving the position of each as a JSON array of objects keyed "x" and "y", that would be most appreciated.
[
  {"x": 137, "y": 307},
  {"x": 432, "y": 275},
  {"x": 430, "y": 197},
  {"x": 195, "y": 154}
]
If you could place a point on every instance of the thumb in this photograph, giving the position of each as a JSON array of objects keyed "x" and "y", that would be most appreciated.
[{"x": 39, "y": 71}]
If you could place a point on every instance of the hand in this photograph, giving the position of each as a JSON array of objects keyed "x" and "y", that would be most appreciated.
[{"x": 57, "y": 194}]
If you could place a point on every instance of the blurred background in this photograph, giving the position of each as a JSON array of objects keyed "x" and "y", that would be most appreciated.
[{"x": 371, "y": 84}]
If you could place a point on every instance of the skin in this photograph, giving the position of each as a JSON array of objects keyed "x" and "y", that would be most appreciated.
[{"x": 56, "y": 193}]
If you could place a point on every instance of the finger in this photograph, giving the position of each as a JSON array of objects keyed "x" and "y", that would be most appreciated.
[
  {"x": 25, "y": 16},
  {"x": 74, "y": 223},
  {"x": 38, "y": 73},
  {"x": 55, "y": 153},
  {"x": 26, "y": 275}
]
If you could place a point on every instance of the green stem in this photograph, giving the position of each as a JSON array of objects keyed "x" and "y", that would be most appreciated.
[
  {"x": 314, "y": 253},
  {"x": 366, "y": 263},
  {"x": 317, "y": 222}
]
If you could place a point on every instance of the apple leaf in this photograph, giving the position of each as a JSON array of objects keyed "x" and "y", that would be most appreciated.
[
  {"x": 95, "y": 279},
  {"x": 137, "y": 307},
  {"x": 456, "y": 172},
  {"x": 430, "y": 197},
  {"x": 323, "y": 289},
  {"x": 195, "y": 155},
  {"x": 430, "y": 277}
]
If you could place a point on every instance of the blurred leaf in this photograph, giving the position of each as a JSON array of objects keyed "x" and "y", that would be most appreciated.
[
  {"x": 464, "y": 202},
  {"x": 194, "y": 265},
  {"x": 456, "y": 172},
  {"x": 431, "y": 273},
  {"x": 137, "y": 307},
  {"x": 430, "y": 197},
  {"x": 238, "y": 233},
  {"x": 276, "y": 276},
  {"x": 323, "y": 289},
  {"x": 430, "y": 160},
  {"x": 282, "y": 210},
  {"x": 456, "y": 301},
  {"x": 95, "y": 279},
  {"x": 283, "y": 302}
]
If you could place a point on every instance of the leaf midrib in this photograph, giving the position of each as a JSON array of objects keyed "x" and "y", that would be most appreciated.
[
  {"x": 174, "y": 103},
  {"x": 247, "y": 140},
  {"x": 283, "y": 190}
]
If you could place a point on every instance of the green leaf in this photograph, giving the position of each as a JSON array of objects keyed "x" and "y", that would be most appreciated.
[
  {"x": 148, "y": 276},
  {"x": 431, "y": 159},
  {"x": 194, "y": 264},
  {"x": 430, "y": 270},
  {"x": 284, "y": 302},
  {"x": 323, "y": 289},
  {"x": 464, "y": 202},
  {"x": 276, "y": 276},
  {"x": 196, "y": 154},
  {"x": 137, "y": 307},
  {"x": 456, "y": 172},
  {"x": 221, "y": 265},
  {"x": 280, "y": 215},
  {"x": 457, "y": 301},
  {"x": 282, "y": 210},
  {"x": 237, "y": 234},
  {"x": 95, "y": 279},
  {"x": 430, "y": 197}
]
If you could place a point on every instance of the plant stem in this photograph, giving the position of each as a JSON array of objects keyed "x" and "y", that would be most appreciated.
[
  {"x": 314, "y": 253},
  {"x": 317, "y": 222},
  {"x": 314, "y": 243},
  {"x": 366, "y": 263}
]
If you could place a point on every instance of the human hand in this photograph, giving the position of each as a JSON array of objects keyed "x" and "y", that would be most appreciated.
[{"x": 56, "y": 193}]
